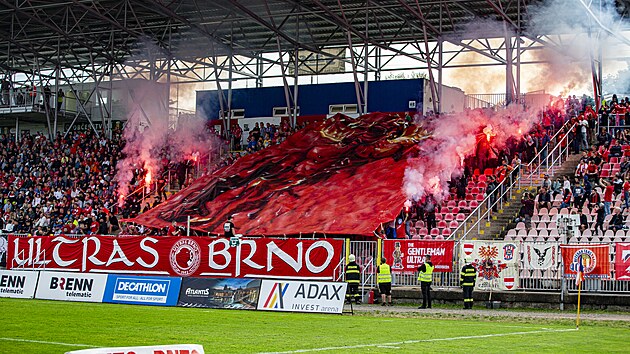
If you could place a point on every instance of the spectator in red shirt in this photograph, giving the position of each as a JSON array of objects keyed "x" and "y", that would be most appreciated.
[{"x": 608, "y": 196}]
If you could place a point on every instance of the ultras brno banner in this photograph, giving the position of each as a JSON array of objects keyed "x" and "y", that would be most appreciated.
[
  {"x": 496, "y": 263},
  {"x": 225, "y": 293},
  {"x": 594, "y": 258},
  {"x": 622, "y": 261},
  {"x": 301, "y": 296},
  {"x": 405, "y": 256},
  {"x": 541, "y": 255},
  {"x": 179, "y": 256}
]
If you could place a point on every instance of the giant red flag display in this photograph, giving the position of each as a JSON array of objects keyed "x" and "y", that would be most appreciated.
[
  {"x": 405, "y": 256},
  {"x": 622, "y": 261},
  {"x": 179, "y": 256},
  {"x": 341, "y": 176},
  {"x": 593, "y": 257}
]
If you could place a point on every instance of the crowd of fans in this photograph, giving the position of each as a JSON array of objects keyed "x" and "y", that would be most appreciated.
[
  {"x": 66, "y": 185},
  {"x": 59, "y": 186},
  {"x": 600, "y": 184}
]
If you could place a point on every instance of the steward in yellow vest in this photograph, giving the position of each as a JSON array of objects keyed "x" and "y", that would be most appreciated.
[
  {"x": 384, "y": 279},
  {"x": 425, "y": 277}
]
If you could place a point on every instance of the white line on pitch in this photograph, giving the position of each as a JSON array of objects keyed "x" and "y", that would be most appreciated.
[
  {"x": 420, "y": 341},
  {"x": 45, "y": 342}
]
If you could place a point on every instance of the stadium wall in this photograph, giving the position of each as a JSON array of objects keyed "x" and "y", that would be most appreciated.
[{"x": 314, "y": 99}]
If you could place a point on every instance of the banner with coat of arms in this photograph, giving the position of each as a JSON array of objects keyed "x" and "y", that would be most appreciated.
[
  {"x": 496, "y": 263},
  {"x": 540, "y": 255},
  {"x": 595, "y": 259},
  {"x": 622, "y": 261}
]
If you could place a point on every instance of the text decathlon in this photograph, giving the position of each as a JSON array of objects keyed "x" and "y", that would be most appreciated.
[
  {"x": 141, "y": 287},
  {"x": 315, "y": 291}
]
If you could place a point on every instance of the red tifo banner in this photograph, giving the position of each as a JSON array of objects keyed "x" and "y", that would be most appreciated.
[
  {"x": 178, "y": 256},
  {"x": 595, "y": 260},
  {"x": 622, "y": 261},
  {"x": 405, "y": 256}
]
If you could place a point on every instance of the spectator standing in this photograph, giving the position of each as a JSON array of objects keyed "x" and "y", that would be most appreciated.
[
  {"x": 608, "y": 196},
  {"x": 228, "y": 227}
]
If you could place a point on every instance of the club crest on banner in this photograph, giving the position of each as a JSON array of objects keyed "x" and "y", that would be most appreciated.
[
  {"x": 185, "y": 257},
  {"x": 509, "y": 282},
  {"x": 508, "y": 251},
  {"x": 540, "y": 255},
  {"x": 588, "y": 259},
  {"x": 591, "y": 260},
  {"x": 469, "y": 248},
  {"x": 496, "y": 263}
]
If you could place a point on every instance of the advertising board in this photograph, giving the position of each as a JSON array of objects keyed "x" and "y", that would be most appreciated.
[
  {"x": 71, "y": 286},
  {"x": 18, "y": 284},
  {"x": 301, "y": 296},
  {"x": 154, "y": 349},
  {"x": 227, "y": 293},
  {"x": 159, "y": 291}
]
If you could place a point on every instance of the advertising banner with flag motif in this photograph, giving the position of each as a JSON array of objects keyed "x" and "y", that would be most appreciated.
[
  {"x": 594, "y": 259},
  {"x": 540, "y": 255},
  {"x": 496, "y": 263},
  {"x": 622, "y": 261}
]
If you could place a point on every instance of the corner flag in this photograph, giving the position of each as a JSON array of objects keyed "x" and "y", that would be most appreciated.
[{"x": 579, "y": 277}]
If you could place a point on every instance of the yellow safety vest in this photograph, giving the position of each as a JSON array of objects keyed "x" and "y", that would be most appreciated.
[
  {"x": 384, "y": 273},
  {"x": 428, "y": 275}
]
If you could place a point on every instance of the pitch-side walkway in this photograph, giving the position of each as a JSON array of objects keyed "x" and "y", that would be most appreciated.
[{"x": 482, "y": 312}]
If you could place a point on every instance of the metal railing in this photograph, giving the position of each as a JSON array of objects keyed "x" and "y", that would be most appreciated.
[{"x": 549, "y": 280}]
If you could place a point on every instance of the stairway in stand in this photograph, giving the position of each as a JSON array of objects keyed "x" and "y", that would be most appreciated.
[{"x": 503, "y": 219}]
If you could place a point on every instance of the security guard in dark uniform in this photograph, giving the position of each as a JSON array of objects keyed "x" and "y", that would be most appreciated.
[
  {"x": 467, "y": 278},
  {"x": 353, "y": 278}
]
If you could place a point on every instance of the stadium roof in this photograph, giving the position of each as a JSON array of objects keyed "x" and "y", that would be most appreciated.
[{"x": 78, "y": 33}]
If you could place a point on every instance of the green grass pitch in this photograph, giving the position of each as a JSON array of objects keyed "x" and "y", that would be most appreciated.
[{"x": 36, "y": 326}]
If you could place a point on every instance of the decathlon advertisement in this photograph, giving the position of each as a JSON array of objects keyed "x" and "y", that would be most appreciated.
[
  {"x": 159, "y": 291},
  {"x": 301, "y": 296}
]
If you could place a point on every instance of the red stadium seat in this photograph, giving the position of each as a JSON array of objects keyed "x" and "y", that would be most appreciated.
[
  {"x": 449, "y": 217},
  {"x": 428, "y": 237},
  {"x": 453, "y": 224},
  {"x": 441, "y": 224},
  {"x": 462, "y": 204},
  {"x": 460, "y": 217}
]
